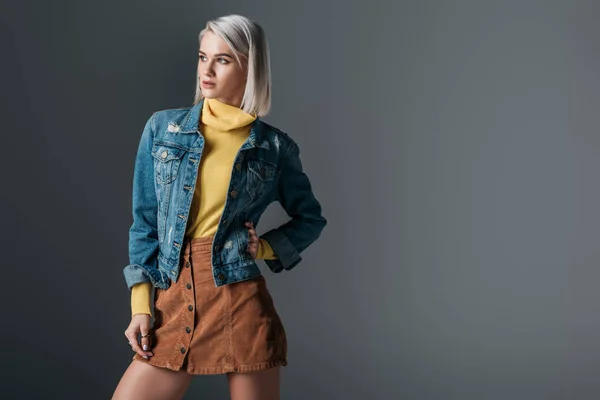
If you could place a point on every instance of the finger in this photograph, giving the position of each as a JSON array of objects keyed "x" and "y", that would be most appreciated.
[
  {"x": 146, "y": 342},
  {"x": 132, "y": 337}
]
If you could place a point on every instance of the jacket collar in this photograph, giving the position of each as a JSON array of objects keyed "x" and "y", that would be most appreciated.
[{"x": 257, "y": 136}]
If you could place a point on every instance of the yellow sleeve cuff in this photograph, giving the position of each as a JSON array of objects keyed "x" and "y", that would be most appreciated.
[
  {"x": 140, "y": 298},
  {"x": 265, "y": 252}
]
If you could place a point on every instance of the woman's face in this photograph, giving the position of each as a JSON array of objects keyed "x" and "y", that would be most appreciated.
[{"x": 219, "y": 75}]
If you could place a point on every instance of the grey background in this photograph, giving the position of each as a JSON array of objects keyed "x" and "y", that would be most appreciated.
[{"x": 453, "y": 145}]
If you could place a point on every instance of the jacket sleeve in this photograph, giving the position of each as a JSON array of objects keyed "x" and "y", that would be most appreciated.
[
  {"x": 143, "y": 233},
  {"x": 295, "y": 194}
]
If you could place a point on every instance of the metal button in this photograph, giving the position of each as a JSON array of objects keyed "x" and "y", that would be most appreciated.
[
  {"x": 188, "y": 329},
  {"x": 191, "y": 307},
  {"x": 164, "y": 154},
  {"x": 189, "y": 286},
  {"x": 233, "y": 193},
  {"x": 187, "y": 264},
  {"x": 183, "y": 350},
  {"x": 238, "y": 166},
  {"x": 221, "y": 276},
  {"x": 217, "y": 247}
]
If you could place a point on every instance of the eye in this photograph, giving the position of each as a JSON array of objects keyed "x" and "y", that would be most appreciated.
[
  {"x": 200, "y": 56},
  {"x": 222, "y": 59}
]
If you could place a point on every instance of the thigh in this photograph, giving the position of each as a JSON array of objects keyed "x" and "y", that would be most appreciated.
[
  {"x": 255, "y": 385},
  {"x": 147, "y": 382}
]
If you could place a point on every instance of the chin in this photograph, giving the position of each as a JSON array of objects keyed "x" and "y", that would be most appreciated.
[{"x": 214, "y": 92}]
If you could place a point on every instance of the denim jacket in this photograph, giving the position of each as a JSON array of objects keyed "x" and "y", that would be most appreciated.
[{"x": 267, "y": 168}]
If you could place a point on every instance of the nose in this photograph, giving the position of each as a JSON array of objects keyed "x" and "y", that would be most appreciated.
[{"x": 208, "y": 70}]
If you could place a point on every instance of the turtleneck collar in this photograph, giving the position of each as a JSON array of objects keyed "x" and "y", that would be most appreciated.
[{"x": 224, "y": 117}]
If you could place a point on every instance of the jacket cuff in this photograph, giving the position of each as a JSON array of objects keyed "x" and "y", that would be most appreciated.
[
  {"x": 287, "y": 254},
  {"x": 135, "y": 273}
]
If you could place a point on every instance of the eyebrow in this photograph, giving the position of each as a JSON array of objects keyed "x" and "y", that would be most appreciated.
[{"x": 218, "y": 55}]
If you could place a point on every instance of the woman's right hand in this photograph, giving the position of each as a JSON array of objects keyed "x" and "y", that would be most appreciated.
[{"x": 140, "y": 323}]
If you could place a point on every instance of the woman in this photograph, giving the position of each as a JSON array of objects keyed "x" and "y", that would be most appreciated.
[{"x": 203, "y": 176}]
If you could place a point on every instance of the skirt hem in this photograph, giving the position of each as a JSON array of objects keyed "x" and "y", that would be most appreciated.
[{"x": 215, "y": 370}]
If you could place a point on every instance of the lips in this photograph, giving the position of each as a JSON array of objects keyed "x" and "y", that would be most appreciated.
[{"x": 208, "y": 83}]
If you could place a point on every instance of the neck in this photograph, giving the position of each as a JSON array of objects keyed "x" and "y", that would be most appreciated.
[{"x": 223, "y": 116}]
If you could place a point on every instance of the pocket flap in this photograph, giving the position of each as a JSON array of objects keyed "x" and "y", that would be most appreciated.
[
  {"x": 166, "y": 153},
  {"x": 264, "y": 170}
]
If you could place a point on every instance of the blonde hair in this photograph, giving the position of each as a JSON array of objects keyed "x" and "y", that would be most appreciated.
[{"x": 247, "y": 40}]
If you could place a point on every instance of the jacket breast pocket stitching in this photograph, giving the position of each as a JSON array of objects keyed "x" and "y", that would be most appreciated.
[
  {"x": 264, "y": 170},
  {"x": 167, "y": 162},
  {"x": 259, "y": 173}
]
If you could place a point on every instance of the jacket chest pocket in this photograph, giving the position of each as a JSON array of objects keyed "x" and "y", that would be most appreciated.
[
  {"x": 166, "y": 162},
  {"x": 259, "y": 177}
]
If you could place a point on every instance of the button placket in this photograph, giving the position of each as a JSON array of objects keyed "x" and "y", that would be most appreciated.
[{"x": 187, "y": 322}]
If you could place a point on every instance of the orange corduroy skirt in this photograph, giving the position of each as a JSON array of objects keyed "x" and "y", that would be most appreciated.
[{"x": 204, "y": 329}]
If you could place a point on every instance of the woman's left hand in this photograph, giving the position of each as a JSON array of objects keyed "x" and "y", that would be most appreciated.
[{"x": 252, "y": 240}]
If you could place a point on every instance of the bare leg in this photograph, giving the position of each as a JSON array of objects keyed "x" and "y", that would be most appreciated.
[
  {"x": 147, "y": 382},
  {"x": 256, "y": 385}
]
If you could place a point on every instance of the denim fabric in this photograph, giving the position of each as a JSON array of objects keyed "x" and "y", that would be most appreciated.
[{"x": 267, "y": 168}]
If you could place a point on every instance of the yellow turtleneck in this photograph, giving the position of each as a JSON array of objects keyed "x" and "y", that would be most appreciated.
[{"x": 225, "y": 128}]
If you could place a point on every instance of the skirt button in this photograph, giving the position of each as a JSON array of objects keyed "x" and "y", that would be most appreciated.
[
  {"x": 183, "y": 350},
  {"x": 191, "y": 308}
]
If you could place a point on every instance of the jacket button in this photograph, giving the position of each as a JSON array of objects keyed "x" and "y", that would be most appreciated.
[
  {"x": 188, "y": 329},
  {"x": 164, "y": 154},
  {"x": 233, "y": 193},
  {"x": 191, "y": 308},
  {"x": 217, "y": 247},
  {"x": 189, "y": 286},
  {"x": 187, "y": 264},
  {"x": 183, "y": 350},
  {"x": 221, "y": 276},
  {"x": 238, "y": 166}
]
